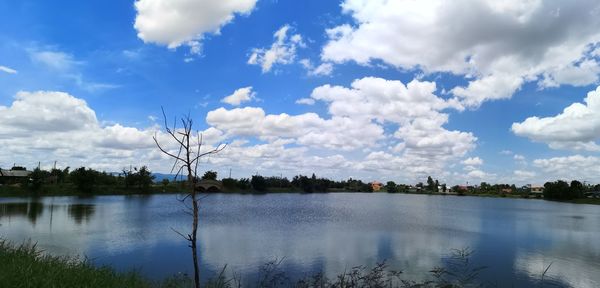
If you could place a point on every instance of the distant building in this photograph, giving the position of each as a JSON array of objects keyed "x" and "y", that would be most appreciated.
[
  {"x": 536, "y": 190},
  {"x": 592, "y": 194},
  {"x": 376, "y": 186},
  {"x": 506, "y": 190},
  {"x": 13, "y": 175}
]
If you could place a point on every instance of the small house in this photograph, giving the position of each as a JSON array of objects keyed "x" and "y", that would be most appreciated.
[
  {"x": 536, "y": 190},
  {"x": 13, "y": 176}
]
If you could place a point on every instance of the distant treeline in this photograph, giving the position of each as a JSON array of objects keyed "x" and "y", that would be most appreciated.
[
  {"x": 561, "y": 190},
  {"x": 141, "y": 180},
  {"x": 83, "y": 180},
  {"x": 299, "y": 183}
]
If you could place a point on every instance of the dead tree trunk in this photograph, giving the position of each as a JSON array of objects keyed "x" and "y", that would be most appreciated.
[{"x": 186, "y": 160}]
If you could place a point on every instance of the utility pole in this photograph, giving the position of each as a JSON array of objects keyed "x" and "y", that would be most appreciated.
[{"x": 229, "y": 173}]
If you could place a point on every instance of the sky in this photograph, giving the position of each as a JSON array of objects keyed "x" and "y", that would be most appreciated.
[{"x": 465, "y": 91}]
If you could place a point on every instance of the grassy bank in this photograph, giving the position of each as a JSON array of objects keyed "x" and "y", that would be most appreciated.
[{"x": 26, "y": 266}]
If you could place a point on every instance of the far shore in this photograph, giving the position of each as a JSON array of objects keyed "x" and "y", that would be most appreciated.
[{"x": 65, "y": 190}]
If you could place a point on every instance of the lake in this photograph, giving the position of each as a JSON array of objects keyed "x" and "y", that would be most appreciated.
[{"x": 515, "y": 238}]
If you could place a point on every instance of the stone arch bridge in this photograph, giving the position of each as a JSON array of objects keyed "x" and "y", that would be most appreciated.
[{"x": 209, "y": 186}]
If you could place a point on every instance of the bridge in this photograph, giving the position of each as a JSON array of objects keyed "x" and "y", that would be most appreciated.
[{"x": 209, "y": 186}]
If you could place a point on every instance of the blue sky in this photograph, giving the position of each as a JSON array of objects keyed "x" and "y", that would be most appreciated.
[{"x": 379, "y": 90}]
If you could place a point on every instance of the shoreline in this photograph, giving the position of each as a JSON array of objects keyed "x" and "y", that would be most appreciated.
[{"x": 17, "y": 192}]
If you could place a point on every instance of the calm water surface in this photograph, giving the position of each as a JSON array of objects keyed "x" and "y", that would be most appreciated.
[{"x": 515, "y": 238}]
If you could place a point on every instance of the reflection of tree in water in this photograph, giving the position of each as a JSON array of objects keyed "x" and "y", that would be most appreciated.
[
  {"x": 81, "y": 212},
  {"x": 32, "y": 210}
]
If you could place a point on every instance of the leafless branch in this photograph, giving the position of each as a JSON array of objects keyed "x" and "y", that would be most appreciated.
[{"x": 188, "y": 158}]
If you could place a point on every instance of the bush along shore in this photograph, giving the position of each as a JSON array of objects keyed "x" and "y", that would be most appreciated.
[{"x": 27, "y": 266}]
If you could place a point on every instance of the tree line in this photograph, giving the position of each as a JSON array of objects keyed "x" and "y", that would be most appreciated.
[{"x": 87, "y": 180}]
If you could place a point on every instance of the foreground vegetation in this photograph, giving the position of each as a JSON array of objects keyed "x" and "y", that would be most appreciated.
[{"x": 27, "y": 266}]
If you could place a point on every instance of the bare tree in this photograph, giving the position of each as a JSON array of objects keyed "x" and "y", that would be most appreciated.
[{"x": 186, "y": 160}]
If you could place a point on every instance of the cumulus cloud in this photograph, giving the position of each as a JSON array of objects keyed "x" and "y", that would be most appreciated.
[
  {"x": 576, "y": 128},
  {"x": 7, "y": 70},
  {"x": 357, "y": 116},
  {"x": 305, "y": 129},
  {"x": 577, "y": 167},
  {"x": 47, "y": 126},
  {"x": 184, "y": 22},
  {"x": 282, "y": 51},
  {"x": 521, "y": 175},
  {"x": 324, "y": 69},
  {"x": 496, "y": 45},
  {"x": 473, "y": 161},
  {"x": 240, "y": 95},
  {"x": 46, "y": 111},
  {"x": 480, "y": 175}
]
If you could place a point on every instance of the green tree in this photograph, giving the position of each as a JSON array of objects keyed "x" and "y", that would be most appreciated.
[
  {"x": 229, "y": 183},
  {"x": 209, "y": 175},
  {"x": 144, "y": 178},
  {"x": 558, "y": 190},
  {"x": 430, "y": 183},
  {"x": 84, "y": 179},
  {"x": 391, "y": 187},
  {"x": 38, "y": 176},
  {"x": 258, "y": 183},
  {"x": 576, "y": 189}
]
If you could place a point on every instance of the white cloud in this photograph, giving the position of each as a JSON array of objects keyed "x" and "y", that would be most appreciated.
[
  {"x": 44, "y": 111},
  {"x": 575, "y": 167},
  {"x": 496, "y": 45},
  {"x": 47, "y": 126},
  {"x": 576, "y": 128},
  {"x": 480, "y": 175},
  {"x": 240, "y": 95},
  {"x": 421, "y": 145},
  {"x": 473, "y": 161},
  {"x": 56, "y": 60},
  {"x": 184, "y": 22},
  {"x": 8, "y": 70},
  {"x": 520, "y": 175},
  {"x": 305, "y": 129},
  {"x": 576, "y": 74},
  {"x": 306, "y": 101},
  {"x": 519, "y": 157},
  {"x": 324, "y": 69},
  {"x": 282, "y": 51}
]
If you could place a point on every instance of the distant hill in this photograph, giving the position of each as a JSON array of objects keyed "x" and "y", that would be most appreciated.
[{"x": 158, "y": 177}]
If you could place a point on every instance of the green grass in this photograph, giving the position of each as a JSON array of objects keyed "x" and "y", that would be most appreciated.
[{"x": 27, "y": 266}]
